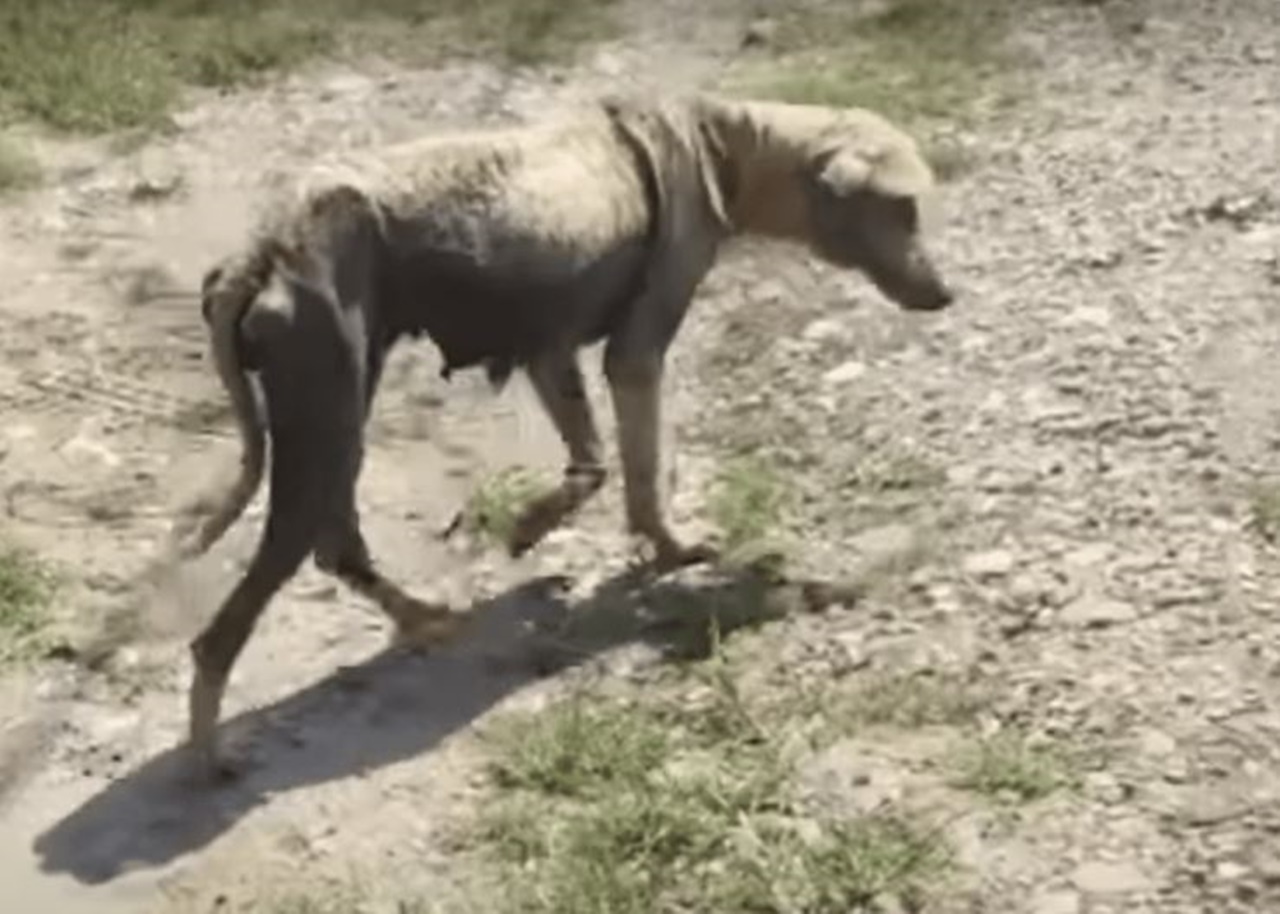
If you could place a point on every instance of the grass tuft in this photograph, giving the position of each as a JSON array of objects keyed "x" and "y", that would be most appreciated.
[
  {"x": 26, "y": 587},
  {"x": 911, "y": 701},
  {"x": 576, "y": 748},
  {"x": 1264, "y": 510},
  {"x": 747, "y": 504},
  {"x": 19, "y": 169},
  {"x": 1006, "y": 766},
  {"x": 493, "y": 509}
]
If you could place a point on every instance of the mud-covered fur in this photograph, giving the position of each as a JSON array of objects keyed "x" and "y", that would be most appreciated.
[{"x": 510, "y": 249}]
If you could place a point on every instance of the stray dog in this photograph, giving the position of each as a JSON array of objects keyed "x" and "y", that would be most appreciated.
[{"x": 511, "y": 248}]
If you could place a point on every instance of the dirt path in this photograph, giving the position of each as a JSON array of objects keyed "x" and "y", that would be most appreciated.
[{"x": 1075, "y": 438}]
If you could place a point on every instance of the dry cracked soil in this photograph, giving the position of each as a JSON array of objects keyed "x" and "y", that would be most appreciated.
[{"x": 1056, "y": 490}]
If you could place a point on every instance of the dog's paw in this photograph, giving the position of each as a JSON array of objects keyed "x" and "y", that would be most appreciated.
[
  {"x": 534, "y": 523},
  {"x": 671, "y": 555}
]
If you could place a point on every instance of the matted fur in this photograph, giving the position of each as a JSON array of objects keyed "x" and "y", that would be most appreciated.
[{"x": 511, "y": 248}]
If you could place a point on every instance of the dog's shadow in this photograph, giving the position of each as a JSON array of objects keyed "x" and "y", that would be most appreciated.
[{"x": 392, "y": 707}]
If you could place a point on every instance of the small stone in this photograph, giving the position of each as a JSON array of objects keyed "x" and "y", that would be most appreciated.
[
  {"x": 1090, "y": 315},
  {"x": 1057, "y": 901},
  {"x": 1103, "y": 878},
  {"x": 845, "y": 373},
  {"x": 1231, "y": 871},
  {"x": 1091, "y": 611},
  {"x": 825, "y": 330},
  {"x": 1106, "y": 788},
  {"x": 994, "y": 563},
  {"x": 852, "y": 655},
  {"x": 761, "y": 32},
  {"x": 885, "y": 544},
  {"x": 1025, "y": 589}
]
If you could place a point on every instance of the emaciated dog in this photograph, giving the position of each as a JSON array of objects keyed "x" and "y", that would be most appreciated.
[{"x": 512, "y": 248}]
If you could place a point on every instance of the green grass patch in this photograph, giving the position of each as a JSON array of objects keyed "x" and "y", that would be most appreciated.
[
  {"x": 911, "y": 59},
  {"x": 747, "y": 504},
  {"x": 26, "y": 587},
  {"x": 1264, "y": 510},
  {"x": 669, "y": 804},
  {"x": 494, "y": 508},
  {"x": 846, "y": 866},
  {"x": 19, "y": 169},
  {"x": 1006, "y": 766},
  {"x": 909, "y": 702},
  {"x": 118, "y": 64},
  {"x": 578, "y": 748}
]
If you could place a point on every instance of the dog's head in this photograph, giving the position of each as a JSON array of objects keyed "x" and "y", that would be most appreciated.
[{"x": 867, "y": 189}]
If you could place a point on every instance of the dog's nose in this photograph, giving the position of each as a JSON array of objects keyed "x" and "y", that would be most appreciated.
[{"x": 934, "y": 298}]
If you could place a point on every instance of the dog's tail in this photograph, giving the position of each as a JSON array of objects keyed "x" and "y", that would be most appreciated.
[{"x": 227, "y": 292}]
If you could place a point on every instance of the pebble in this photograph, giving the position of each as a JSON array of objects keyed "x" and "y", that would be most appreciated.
[
  {"x": 1104, "y": 878},
  {"x": 845, "y": 373},
  {"x": 883, "y": 544},
  {"x": 824, "y": 330},
  {"x": 1058, "y": 901},
  {"x": 1090, "y": 611},
  {"x": 993, "y": 563}
]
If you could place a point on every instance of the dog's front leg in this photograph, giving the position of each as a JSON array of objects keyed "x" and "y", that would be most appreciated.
[{"x": 635, "y": 385}]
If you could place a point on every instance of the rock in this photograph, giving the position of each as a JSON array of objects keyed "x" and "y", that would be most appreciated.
[
  {"x": 994, "y": 563},
  {"x": 1092, "y": 611},
  {"x": 846, "y": 373},
  {"x": 1089, "y": 316},
  {"x": 1105, "y": 878},
  {"x": 880, "y": 545},
  {"x": 852, "y": 654},
  {"x": 1056, "y": 901},
  {"x": 825, "y": 330},
  {"x": 760, "y": 33}
]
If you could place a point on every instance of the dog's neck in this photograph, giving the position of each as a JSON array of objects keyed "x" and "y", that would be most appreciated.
[{"x": 757, "y": 167}]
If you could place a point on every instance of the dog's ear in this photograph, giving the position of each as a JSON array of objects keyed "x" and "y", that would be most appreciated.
[
  {"x": 883, "y": 165},
  {"x": 845, "y": 170},
  {"x": 208, "y": 282}
]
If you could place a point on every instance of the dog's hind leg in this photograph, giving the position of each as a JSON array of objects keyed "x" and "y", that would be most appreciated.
[
  {"x": 558, "y": 382},
  {"x": 343, "y": 552},
  {"x": 296, "y": 515}
]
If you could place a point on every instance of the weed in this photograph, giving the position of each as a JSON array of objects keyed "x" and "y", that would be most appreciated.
[
  {"x": 894, "y": 471},
  {"x": 1008, "y": 766},
  {"x": 913, "y": 59},
  {"x": 497, "y": 503},
  {"x": 844, "y": 866},
  {"x": 19, "y": 170},
  {"x": 747, "y": 504},
  {"x": 577, "y": 748},
  {"x": 26, "y": 586},
  {"x": 1264, "y": 510},
  {"x": 534, "y": 31},
  {"x": 910, "y": 702}
]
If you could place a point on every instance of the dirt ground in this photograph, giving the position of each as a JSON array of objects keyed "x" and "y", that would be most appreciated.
[{"x": 1096, "y": 413}]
